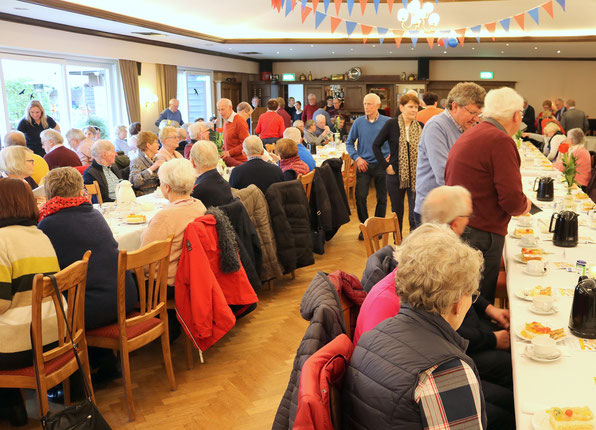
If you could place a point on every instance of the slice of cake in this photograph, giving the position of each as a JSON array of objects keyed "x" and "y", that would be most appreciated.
[
  {"x": 135, "y": 218},
  {"x": 576, "y": 418}
]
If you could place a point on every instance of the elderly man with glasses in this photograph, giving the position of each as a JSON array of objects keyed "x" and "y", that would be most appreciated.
[{"x": 464, "y": 105}]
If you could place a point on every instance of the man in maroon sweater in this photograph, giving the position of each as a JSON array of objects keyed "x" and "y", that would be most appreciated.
[
  {"x": 486, "y": 162},
  {"x": 235, "y": 130},
  {"x": 310, "y": 108},
  {"x": 57, "y": 155}
]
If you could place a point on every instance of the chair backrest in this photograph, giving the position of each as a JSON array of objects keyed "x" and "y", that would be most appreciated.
[
  {"x": 71, "y": 284},
  {"x": 94, "y": 189},
  {"x": 375, "y": 227},
  {"x": 150, "y": 265},
  {"x": 346, "y": 159},
  {"x": 307, "y": 182},
  {"x": 270, "y": 147}
]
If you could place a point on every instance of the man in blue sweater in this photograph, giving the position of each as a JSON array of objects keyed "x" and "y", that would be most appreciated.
[
  {"x": 365, "y": 130},
  {"x": 171, "y": 113},
  {"x": 464, "y": 105}
]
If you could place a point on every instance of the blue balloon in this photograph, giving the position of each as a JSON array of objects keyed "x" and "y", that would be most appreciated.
[{"x": 452, "y": 42}]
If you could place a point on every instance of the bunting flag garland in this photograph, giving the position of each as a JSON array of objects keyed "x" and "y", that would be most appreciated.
[
  {"x": 305, "y": 12},
  {"x": 366, "y": 29},
  {"x": 350, "y": 26},
  {"x": 303, "y": 5},
  {"x": 430, "y": 41},
  {"x": 548, "y": 7},
  {"x": 491, "y": 29},
  {"x": 350, "y": 6},
  {"x": 363, "y": 5},
  {"x": 334, "y": 23},
  {"x": 376, "y": 3},
  {"x": 414, "y": 40},
  {"x": 337, "y": 6},
  {"x": 390, "y": 5},
  {"x": 461, "y": 35},
  {"x": 276, "y": 4},
  {"x": 398, "y": 34},
  {"x": 476, "y": 30},
  {"x": 505, "y": 23},
  {"x": 382, "y": 32},
  {"x": 319, "y": 18},
  {"x": 326, "y": 4},
  {"x": 534, "y": 13},
  {"x": 562, "y": 4},
  {"x": 289, "y": 7},
  {"x": 520, "y": 20},
  {"x": 315, "y": 3}
]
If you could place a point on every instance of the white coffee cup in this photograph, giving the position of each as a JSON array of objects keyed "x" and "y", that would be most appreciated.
[
  {"x": 525, "y": 221},
  {"x": 536, "y": 267},
  {"x": 543, "y": 303},
  {"x": 529, "y": 240},
  {"x": 544, "y": 346}
]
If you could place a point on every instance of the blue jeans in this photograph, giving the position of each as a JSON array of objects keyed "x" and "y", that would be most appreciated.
[{"x": 363, "y": 179}]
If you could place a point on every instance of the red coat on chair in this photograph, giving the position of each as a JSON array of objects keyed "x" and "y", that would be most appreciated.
[{"x": 323, "y": 369}]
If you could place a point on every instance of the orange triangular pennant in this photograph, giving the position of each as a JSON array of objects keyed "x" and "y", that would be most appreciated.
[
  {"x": 363, "y": 5},
  {"x": 461, "y": 35},
  {"x": 430, "y": 41},
  {"x": 337, "y": 5},
  {"x": 305, "y": 13},
  {"x": 548, "y": 7},
  {"x": 334, "y": 23},
  {"x": 293, "y": 5},
  {"x": 315, "y": 3},
  {"x": 491, "y": 29},
  {"x": 390, "y": 4},
  {"x": 398, "y": 36},
  {"x": 366, "y": 29},
  {"x": 520, "y": 20}
]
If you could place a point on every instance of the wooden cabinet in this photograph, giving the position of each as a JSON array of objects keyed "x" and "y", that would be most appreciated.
[
  {"x": 316, "y": 89},
  {"x": 353, "y": 97},
  {"x": 229, "y": 90}
]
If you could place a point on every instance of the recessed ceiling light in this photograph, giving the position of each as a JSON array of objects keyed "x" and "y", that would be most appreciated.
[
  {"x": 473, "y": 48},
  {"x": 412, "y": 48},
  {"x": 333, "y": 52},
  {"x": 351, "y": 49},
  {"x": 291, "y": 49},
  {"x": 230, "y": 49},
  {"x": 374, "y": 46},
  {"x": 535, "y": 47},
  {"x": 506, "y": 44},
  {"x": 312, "y": 46},
  {"x": 391, "y": 52},
  {"x": 502, "y": 52},
  {"x": 444, "y": 52},
  {"x": 558, "y": 52},
  {"x": 278, "y": 52}
]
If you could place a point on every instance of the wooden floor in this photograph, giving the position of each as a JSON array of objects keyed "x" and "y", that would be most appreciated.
[{"x": 244, "y": 375}]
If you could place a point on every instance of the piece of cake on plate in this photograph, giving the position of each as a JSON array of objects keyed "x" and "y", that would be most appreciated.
[{"x": 575, "y": 418}]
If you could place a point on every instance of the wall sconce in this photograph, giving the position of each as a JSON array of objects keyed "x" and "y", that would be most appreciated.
[{"x": 147, "y": 97}]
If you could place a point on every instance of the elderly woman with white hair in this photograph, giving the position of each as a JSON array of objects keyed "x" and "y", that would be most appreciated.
[
  {"x": 169, "y": 144},
  {"x": 143, "y": 169},
  {"x": 103, "y": 170},
  {"x": 210, "y": 187},
  {"x": 177, "y": 178},
  {"x": 583, "y": 162},
  {"x": 17, "y": 162},
  {"x": 415, "y": 363},
  {"x": 120, "y": 133}
]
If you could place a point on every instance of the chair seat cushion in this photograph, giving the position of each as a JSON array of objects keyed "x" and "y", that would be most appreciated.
[
  {"x": 50, "y": 366},
  {"x": 111, "y": 330}
]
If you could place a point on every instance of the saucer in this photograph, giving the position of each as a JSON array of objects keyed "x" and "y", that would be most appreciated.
[
  {"x": 525, "y": 271},
  {"x": 529, "y": 352},
  {"x": 554, "y": 310}
]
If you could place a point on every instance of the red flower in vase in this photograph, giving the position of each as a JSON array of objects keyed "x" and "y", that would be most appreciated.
[
  {"x": 563, "y": 148},
  {"x": 219, "y": 130}
]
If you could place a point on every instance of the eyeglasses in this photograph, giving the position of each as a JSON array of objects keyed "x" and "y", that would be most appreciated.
[
  {"x": 472, "y": 113},
  {"x": 475, "y": 296},
  {"x": 30, "y": 161}
]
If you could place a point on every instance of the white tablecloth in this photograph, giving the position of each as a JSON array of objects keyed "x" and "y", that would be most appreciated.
[
  {"x": 571, "y": 380},
  {"x": 328, "y": 151}
]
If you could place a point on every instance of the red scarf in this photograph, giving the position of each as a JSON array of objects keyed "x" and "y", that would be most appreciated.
[
  {"x": 295, "y": 164},
  {"x": 56, "y": 204}
]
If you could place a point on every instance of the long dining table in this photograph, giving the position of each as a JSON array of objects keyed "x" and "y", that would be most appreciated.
[{"x": 570, "y": 380}]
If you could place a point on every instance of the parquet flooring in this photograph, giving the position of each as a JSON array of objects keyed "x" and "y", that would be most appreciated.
[{"x": 244, "y": 375}]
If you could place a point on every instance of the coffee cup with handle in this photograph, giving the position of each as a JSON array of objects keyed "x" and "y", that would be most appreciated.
[
  {"x": 536, "y": 267},
  {"x": 544, "y": 347},
  {"x": 543, "y": 303}
]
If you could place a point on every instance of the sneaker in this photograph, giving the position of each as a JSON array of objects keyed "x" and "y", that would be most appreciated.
[{"x": 360, "y": 237}]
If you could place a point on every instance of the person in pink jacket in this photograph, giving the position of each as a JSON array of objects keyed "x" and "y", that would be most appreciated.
[{"x": 583, "y": 162}]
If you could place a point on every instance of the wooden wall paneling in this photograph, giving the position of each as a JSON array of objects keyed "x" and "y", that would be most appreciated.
[{"x": 354, "y": 95}]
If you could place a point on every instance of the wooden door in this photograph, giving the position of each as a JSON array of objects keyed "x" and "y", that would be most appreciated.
[
  {"x": 353, "y": 97},
  {"x": 231, "y": 90}
]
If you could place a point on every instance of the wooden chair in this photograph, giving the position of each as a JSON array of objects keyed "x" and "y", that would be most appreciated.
[
  {"x": 383, "y": 227},
  {"x": 307, "y": 183},
  {"x": 93, "y": 189},
  {"x": 349, "y": 177},
  {"x": 57, "y": 364},
  {"x": 137, "y": 329},
  {"x": 501, "y": 297},
  {"x": 270, "y": 147}
]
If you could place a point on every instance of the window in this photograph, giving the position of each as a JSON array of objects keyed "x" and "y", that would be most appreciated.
[
  {"x": 195, "y": 95},
  {"x": 74, "y": 93}
]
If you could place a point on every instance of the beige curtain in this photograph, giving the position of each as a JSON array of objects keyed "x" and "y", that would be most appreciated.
[
  {"x": 130, "y": 82},
  {"x": 167, "y": 84}
]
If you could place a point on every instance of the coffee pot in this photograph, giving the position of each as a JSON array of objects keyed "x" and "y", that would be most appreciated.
[
  {"x": 544, "y": 188},
  {"x": 125, "y": 193},
  {"x": 582, "y": 321},
  {"x": 565, "y": 229}
]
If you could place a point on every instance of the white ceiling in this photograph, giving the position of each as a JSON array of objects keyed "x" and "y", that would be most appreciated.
[{"x": 256, "y": 19}]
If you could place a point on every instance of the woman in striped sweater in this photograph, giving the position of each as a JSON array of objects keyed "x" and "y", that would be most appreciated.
[{"x": 24, "y": 251}]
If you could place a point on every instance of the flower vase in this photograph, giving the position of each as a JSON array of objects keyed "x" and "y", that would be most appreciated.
[{"x": 568, "y": 203}]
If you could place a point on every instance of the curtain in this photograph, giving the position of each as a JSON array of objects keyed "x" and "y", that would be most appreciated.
[
  {"x": 167, "y": 84},
  {"x": 130, "y": 83}
]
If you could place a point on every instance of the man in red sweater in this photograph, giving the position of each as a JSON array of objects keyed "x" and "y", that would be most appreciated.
[
  {"x": 235, "y": 130},
  {"x": 57, "y": 155},
  {"x": 310, "y": 108},
  {"x": 486, "y": 162},
  {"x": 271, "y": 126}
]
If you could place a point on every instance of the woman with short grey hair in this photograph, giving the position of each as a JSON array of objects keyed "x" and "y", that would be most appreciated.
[
  {"x": 143, "y": 169},
  {"x": 583, "y": 161},
  {"x": 415, "y": 363},
  {"x": 120, "y": 142},
  {"x": 17, "y": 162}
]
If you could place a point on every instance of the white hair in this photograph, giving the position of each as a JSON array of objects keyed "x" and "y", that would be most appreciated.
[
  {"x": 318, "y": 118},
  {"x": 99, "y": 147},
  {"x": 443, "y": 204},
  {"x": 224, "y": 102},
  {"x": 375, "y": 98},
  {"x": 576, "y": 136},
  {"x": 204, "y": 154},
  {"x": 293, "y": 133},
  {"x": 14, "y": 137},
  {"x": 436, "y": 269},
  {"x": 179, "y": 174},
  {"x": 51, "y": 134},
  {"x": 13, "y": 159},
  {"x": 502, "y": 103},
  {"x": 195, "y": 129},
  {"x": 311, "y": 95},
  {"x": 550, "y": 127},
  {"x": 75, "y": 133},
  {"x": 119, "y": 128},
  {"x": 252, "y": 145}
]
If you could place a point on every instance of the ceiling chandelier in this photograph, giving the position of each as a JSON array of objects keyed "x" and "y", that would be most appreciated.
[{"x": 418, "y": 17}]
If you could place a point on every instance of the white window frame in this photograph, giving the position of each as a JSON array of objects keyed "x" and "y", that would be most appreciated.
[{"x": 183, "y": 100}]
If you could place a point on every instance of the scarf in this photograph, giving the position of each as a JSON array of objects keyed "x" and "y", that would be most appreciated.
[
  {"x": 295, "y": 164},
  {"x": 56, "y": 204},
  {"x": 408, "y": 152}
]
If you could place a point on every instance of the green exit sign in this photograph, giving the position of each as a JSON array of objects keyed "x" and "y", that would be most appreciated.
[
  {"x": 486, "y": 75},
  {"x": 288, "y": 77}
]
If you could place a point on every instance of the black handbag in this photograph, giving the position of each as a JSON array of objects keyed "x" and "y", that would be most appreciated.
[{"x": 83, "y": 415}]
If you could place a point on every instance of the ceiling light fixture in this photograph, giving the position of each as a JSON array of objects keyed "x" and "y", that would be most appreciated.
[
  {"x": 418, "y": 16},
  {"x": 312, "y": 46},
  {"x": 558, "y": 52}
]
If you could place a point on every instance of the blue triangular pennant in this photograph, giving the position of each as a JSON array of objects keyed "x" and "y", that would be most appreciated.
[
  {"x": 303, "y": 5},
  {"x": 350, "y": 26},
  {"x": 382, "y": 32},
  {"x": 319, "y": 18},
  {"x": 476, "y": 29},
  {"x": 562, "y": 4},
  {"x": 414, "y": 41},
  {"x": 288, "y": 7},
  {"x": 350, "y": 6},
  {"x": 505, "y": 23},
  {"x": 377, "y": 5},
  {"x": 534, "y": 14},
  {"x": 478, "y": 38},
  {"x": 326, "y": 4},
  {"x": 405, "y": 3}
]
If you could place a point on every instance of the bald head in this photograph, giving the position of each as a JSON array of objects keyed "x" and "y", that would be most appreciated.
[{"x": 448, "y": 205}]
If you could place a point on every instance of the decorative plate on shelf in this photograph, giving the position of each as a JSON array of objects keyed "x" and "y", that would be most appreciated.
[{"x": 354, "y": 73}]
